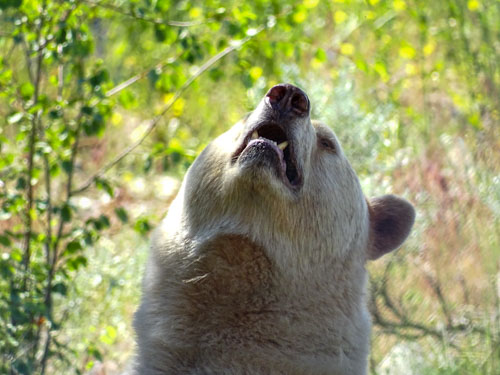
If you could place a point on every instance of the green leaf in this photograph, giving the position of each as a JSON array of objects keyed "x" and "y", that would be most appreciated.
[
  {"x": 73, "y": 246},
  {"x": 148, "y": 163},
  {"x": 320, "y": 55},
  {"x": 5, "y": 241},
  {"x": 109, "y": 336},
  {"x": 94, "y": 126},
  {"x": 122, "y": 214},
  {"x": 26, "y": 90},
  {"x": 77, "y": 262},
  {"x": 93, "y": 351},
  {"x": 6, "y": 270},
  {"x": 216, "y": 74},
  {"x": 66, "y": 213},
  {"x": 4, "y": 4},
  {"x": 99, "y": 78},
  {"x": 21, "y": 183},
  {"x": 16, "y": 255},
  {"x": 60, "y": 288},
  {"x": 127, "y": 99},
  {"x": 406, "y": 50},
  {"x": 104, "y": 220},
  {"x": 102, "y": 184},
  {"x": 87, "y": 110},
  {"x": 142, "y": 226},
  {"x": 164, "y": 82},
  {"x": 55, "y": 113},
  {"x": 161, "y": 32},
  {"x": 67, "y": 166}
]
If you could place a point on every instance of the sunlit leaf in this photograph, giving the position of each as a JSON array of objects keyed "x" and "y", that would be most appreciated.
[
  {"x": 109, "y": 336},
  {"x": 127, "y": 99},
  {"x": 142, "y": 226},
  {"x": 410, "y": 69},
  {"x": 320, "y": 55},
  {"x": 381, "y": 70},
  {"x": 300, "y": 15},
  {"x": 340, "y": 16},
  {"x": 407, "y": 51},
  {"x": 15, "y": 117},
  {"x": 399, "y": 5},
  {"x": 195, "y": 12},
  {"x": 27, "y": 90},
  {"x": 473, "y": 5},
  {"x": 347, "y": 49},
  {"x": 429, "y": 48},
  {"x": 311, "y": 3},
  {"x": 178, "y": 107},
  {"x": 255, "y": 72}
]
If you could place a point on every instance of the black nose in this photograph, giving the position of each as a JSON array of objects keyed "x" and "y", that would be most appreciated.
[{"x": 288, "y": 98}]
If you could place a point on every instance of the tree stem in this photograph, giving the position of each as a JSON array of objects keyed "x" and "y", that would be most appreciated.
[{"x": 31, "y": 153}]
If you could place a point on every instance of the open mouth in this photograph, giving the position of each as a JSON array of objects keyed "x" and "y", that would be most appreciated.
[{"x": 272, "y": 136}]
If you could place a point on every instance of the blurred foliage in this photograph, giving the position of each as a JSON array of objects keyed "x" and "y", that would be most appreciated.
[{"x": 105, "y": 103}]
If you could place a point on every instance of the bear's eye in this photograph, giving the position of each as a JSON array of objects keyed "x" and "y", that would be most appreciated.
[{"x": 327, "y": 144}]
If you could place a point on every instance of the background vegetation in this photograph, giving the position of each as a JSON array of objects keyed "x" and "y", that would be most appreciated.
[{"x": 105, "y": 103}]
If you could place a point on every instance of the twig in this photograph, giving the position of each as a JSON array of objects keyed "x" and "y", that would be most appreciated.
[
  {"x": 154, "y": 122},
  {"x": 122, "y": 86},
  {"x": 31, "y": 154},
  {"x": 28, "y": 60},
  {"x": 48, "y": 190},
  {"x": 155, "y": 21},
  {"x": 60, "y": 74},
  {"x": 396, "y": 327},
  {"x": 436, "y": 287},
  {"x": 404, "y": 323},
  {"x": 55, "y": 248}
]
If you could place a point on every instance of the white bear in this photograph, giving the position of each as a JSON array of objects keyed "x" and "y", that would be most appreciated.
[{"x": 259, "y": 265}]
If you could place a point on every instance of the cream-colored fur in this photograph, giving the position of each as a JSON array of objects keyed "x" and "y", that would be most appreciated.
[{"x": 248, "y": 276}]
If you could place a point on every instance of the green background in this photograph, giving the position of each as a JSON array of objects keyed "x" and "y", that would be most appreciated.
[{"x": 104, "y": 104}]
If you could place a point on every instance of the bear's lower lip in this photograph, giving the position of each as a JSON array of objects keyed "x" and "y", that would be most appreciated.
[
  {"x": 270, "y": 143},
  {"x": 265, "y": 148}
]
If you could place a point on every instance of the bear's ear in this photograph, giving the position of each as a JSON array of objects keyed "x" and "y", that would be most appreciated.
[{"x": 391, "y": 219}]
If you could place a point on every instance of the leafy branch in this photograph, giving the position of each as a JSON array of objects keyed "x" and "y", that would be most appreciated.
[
  {"x": 52, "y": 261},
  {"x": 141, "y": 17},
  {"x": 154, "y": 122},
  {"x": 36, "y": 79}
]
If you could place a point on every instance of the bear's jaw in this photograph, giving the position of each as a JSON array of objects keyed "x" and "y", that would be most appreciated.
[{"x": 269, "y": 144}]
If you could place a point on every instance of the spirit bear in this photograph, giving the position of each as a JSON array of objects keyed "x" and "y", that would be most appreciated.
[{"x": 259, "y": 265}]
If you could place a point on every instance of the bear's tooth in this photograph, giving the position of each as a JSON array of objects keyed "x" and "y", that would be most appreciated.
[
  {"x": 283, "y": 145},
  {"x": 255, "y": 135}
]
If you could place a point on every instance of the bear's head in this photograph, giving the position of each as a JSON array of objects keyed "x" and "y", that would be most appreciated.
[{"x": 284, "y": 181}]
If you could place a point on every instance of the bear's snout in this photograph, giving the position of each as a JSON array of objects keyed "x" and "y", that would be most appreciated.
[{"x": 285, "y": 98}]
